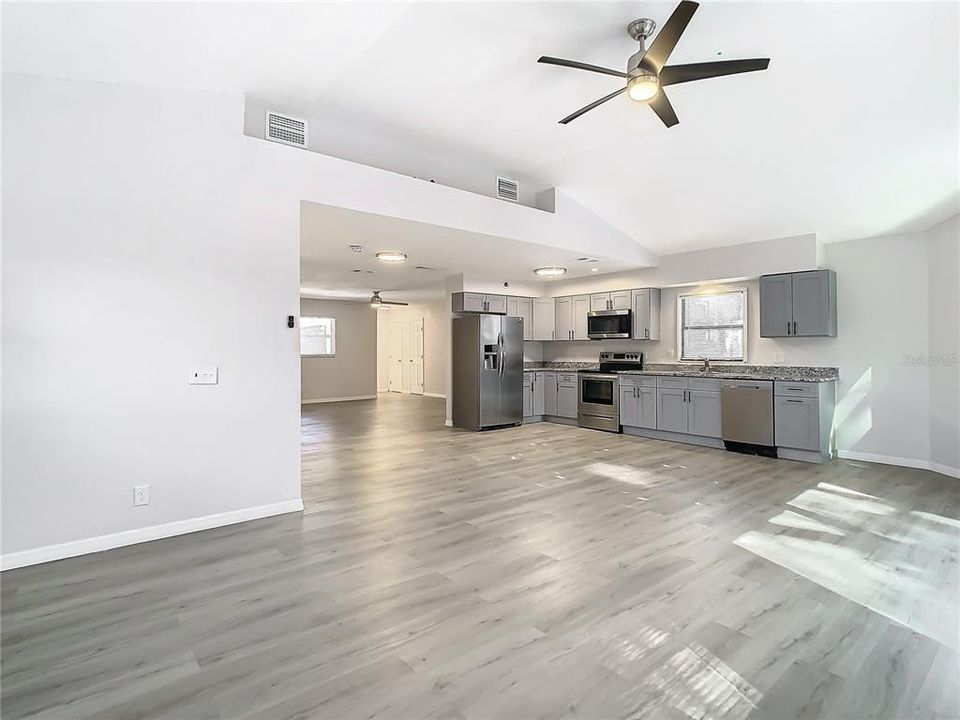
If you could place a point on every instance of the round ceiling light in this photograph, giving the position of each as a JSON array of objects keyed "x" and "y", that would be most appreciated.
[
  {"x": 552, "y": 271},
  {"x": 392, "y": 256},
  {"x": 643, "y": 87}
]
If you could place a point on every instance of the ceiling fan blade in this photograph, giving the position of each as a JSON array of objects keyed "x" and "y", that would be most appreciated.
[
  {"x": 580, "y": 66},
  {"x": 663, "y": 44},
  {"x": 591, "y": 106},
  {"x": 675, "y": 74},
  {"x": 664, "y": 110}
]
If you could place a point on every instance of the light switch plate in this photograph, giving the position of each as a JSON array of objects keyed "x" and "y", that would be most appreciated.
[{"x": 207, "y": 375}]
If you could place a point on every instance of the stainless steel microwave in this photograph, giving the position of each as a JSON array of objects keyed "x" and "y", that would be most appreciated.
[{"x": 608, "y": 324}]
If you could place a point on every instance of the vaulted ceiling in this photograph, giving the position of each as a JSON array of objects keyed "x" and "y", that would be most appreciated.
[{"x": 852, "y": 132}]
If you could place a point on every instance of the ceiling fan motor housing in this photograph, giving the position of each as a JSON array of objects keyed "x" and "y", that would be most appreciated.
[{"x": 640, "y": 29}]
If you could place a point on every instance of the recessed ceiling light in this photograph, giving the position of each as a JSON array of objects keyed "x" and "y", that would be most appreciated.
[
  {"x": 552, "y": 271},
  {"x": 392, "y": 256}
]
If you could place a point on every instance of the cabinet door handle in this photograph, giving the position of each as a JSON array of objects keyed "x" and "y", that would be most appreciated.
[
  {"x": 795, "y": 401},
  {"x": 646, "y": 334},
  {"x": 794, "y": 327},
  {"x": 788, "y": 327}
]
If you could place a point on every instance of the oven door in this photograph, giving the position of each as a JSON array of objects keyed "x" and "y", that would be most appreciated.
[
  {"x": 599, "y": 394},
  {"x": 607, "y": 324}
]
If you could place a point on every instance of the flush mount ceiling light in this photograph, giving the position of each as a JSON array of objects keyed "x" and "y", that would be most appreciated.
[
  {"x": 647, "y": 70},
  {"x": 380, "y": 304},
  {"x": 552, "y": 271},
  {"x": 392, "y": 256}
]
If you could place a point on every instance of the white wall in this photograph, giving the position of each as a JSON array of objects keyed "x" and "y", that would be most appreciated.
[
  {"x": 137, "y": 247},
  {"x": 944, "y": 268},
  {"x": 352, "y": 372},
  {"x": 886, "y": 317}
]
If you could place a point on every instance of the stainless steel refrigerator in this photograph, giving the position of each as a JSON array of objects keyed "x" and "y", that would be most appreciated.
[{"x": 487, "y": 371}]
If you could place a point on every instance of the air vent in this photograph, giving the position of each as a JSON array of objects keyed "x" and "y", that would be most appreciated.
[
  {"x": 287, "y": 130},
  {"x": 508, "y": 189}
]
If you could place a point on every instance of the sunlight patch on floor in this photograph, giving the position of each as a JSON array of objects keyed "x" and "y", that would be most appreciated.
[
  {"x": 910, "y": 573},
  {"x": 623, "y": 473}
]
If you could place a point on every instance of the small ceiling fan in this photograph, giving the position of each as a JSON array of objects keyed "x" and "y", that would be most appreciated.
[
  {"x": 647, "y": 72},
  {"x": 377, "y": 302}
]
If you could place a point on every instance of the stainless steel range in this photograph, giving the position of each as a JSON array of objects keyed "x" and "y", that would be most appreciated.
[{"x": 598, "y": 394}]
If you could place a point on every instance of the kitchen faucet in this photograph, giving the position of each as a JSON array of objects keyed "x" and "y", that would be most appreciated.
[{"x": 706, "y": 365}]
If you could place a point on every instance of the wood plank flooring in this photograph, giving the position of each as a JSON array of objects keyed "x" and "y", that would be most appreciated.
[{"x": 536, "y": 572}]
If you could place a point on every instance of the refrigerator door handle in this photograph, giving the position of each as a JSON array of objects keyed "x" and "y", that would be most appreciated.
[{"x": 503, "y": 353}]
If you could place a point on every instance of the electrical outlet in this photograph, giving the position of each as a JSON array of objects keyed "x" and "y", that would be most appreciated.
[
  {"x": 204, "y": 375},
  {"x": 141, "y": 494}
]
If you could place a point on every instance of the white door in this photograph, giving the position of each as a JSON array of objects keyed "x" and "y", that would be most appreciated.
[
  {"x": 416, "y": 356},
  {"x": 395, "y": 357}
]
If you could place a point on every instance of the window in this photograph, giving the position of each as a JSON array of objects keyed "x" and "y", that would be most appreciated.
[
  {"x": 318, "y": 336},
  {"x": 711, "y": 326}
]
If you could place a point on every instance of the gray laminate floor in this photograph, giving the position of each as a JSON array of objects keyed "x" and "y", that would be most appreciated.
[{"x": 541, "y": 571}]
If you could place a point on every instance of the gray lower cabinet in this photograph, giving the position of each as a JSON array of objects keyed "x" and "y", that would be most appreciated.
[
  {"x": 567, "y": 396},
  {"x": 803, "y": 419},
  {"x": 638, "y": 406},
  {"x": 703, "y": 413},
  {"x": 689, "y": 405},
  {"x": 549, "y": 393},
  {"x": 797, "y": 423},
  {"x": 672, "y": 409},
  {"x": 538, "y": 398},
  {"x": 528, "y": 394},
  {"x": 801, "y": 304}
]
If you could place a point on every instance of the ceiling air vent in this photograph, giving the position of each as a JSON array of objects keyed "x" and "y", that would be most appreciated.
[
  {"x": 287, "y": 130},
  {"x": 508, "y": 190}
]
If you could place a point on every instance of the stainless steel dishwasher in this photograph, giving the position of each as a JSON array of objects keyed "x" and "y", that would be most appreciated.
[{"x": 746, "y": 411}]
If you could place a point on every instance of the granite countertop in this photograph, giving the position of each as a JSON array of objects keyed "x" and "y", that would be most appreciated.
[{"x": 795, "y": 373}]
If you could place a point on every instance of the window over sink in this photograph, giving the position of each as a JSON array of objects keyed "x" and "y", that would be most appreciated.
[{"x": 712, "y": 325}]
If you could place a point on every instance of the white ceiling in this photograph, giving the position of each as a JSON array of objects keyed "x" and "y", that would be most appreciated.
[
  {"x": 327, "y": 263},
  {"x": 852, "y": 132}
]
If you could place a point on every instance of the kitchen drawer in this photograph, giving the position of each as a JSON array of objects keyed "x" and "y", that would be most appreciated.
[
  {"x": 567, "y": 377},
  {"x": 704, "y": 384},
  {"x": 638, "y": 380},
  {"x": 784, "y": 388},
  {"x": 672, "y": 381}
]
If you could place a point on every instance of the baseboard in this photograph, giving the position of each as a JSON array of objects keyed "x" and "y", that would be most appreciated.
[
  {"x": 900, "y": 461},
  {"x": 448, "y": 423},
  {"x": 154, "y": 532},
  {"x": 338, "y": 399},
  {"x": 436, "y": 395}
]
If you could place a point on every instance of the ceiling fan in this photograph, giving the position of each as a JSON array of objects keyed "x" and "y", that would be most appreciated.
[
  {"x": 647, "y": 72},
  {"x": 377, "y": 302}
]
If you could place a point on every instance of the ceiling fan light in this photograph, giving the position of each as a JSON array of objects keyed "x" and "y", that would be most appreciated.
[
  {"x": 551, "y": 271},
  {"x": 392, "y": 256},
  {"x": 643, "y": 88}
]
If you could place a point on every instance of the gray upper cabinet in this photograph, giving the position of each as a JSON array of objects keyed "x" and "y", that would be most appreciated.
[
  {"x": 815, "y": 304},
  {"x": 802, "y": 304},
  {"x": 646, "y": 314},
  {"x": 581, "y": 306},
  {"x": 544, "y": 319},
  {"x": 616, "y": 300},
  {"x": 497, "y": 304},
  {"x": 469, "y": 302},
  {"x": 522, "y": 307},
  {"x": 563, "y": 319}
]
